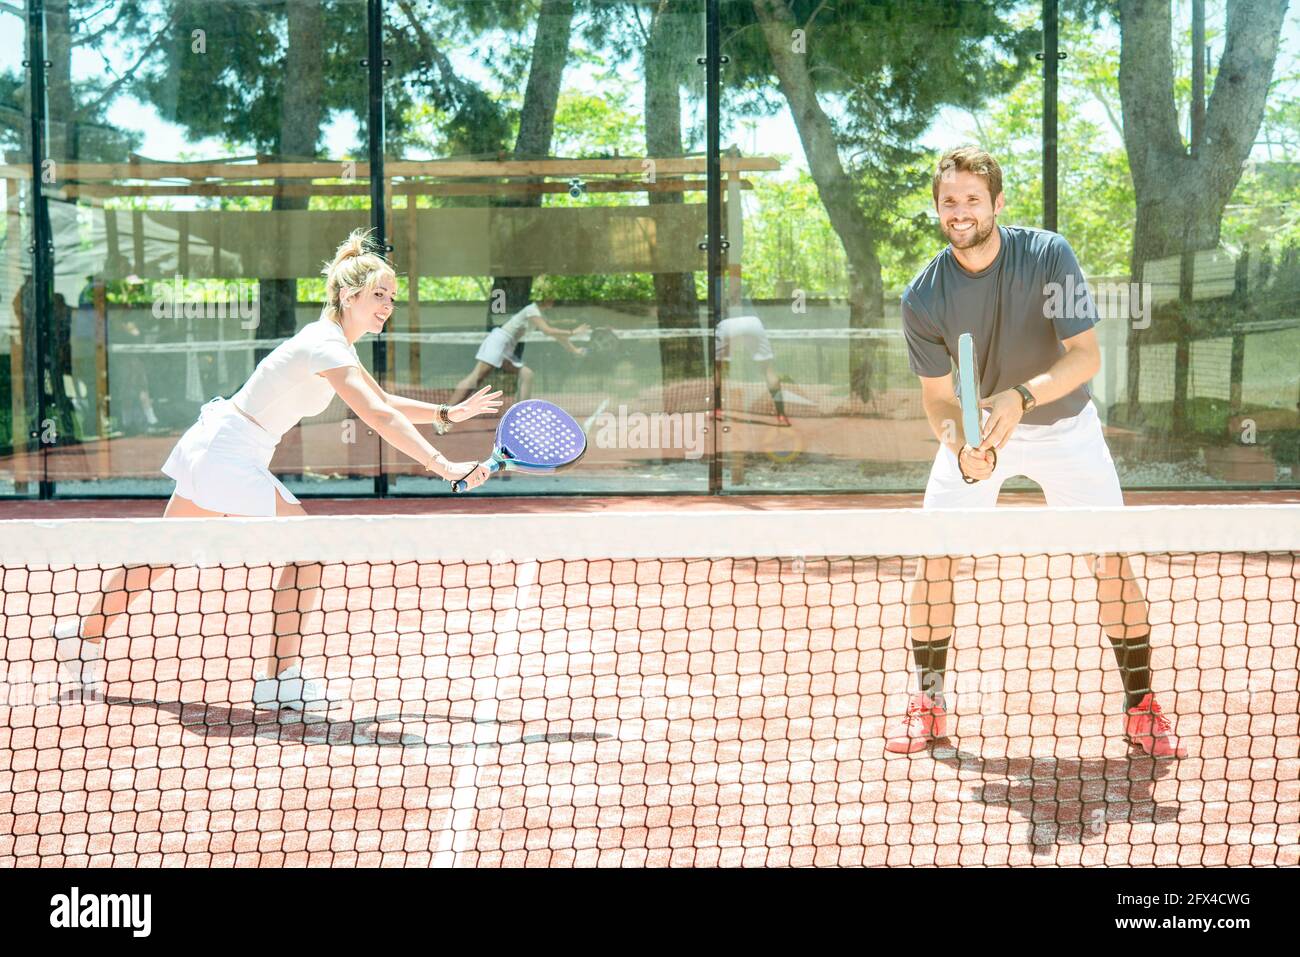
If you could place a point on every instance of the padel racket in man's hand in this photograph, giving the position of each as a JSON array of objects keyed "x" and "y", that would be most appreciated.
[
  {"x": 534, "y": 436},
  {"x": 968, "y": 395}
]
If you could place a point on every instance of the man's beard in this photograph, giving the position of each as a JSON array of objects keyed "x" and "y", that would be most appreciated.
[{"x": 976, "y": 237}]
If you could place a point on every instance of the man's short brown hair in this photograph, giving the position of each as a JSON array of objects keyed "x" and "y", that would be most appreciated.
[{"x": 969, "y": 159}]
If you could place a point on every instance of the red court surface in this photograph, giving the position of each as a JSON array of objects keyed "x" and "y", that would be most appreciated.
[{"x": 719, "y": 712}]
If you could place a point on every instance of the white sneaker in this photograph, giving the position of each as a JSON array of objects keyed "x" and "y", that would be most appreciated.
[
  {"x": 80, "y": 661},
  {"x": 291, "y": 691}
]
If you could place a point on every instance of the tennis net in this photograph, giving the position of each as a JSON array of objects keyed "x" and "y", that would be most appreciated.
[{"x": 724, "y": 687}]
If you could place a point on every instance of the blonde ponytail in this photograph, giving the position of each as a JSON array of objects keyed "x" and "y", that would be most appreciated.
[{"x": 354, "y": 268}]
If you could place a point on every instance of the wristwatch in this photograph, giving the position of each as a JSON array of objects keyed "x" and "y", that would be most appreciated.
[{"x": 1027, "y": 400}]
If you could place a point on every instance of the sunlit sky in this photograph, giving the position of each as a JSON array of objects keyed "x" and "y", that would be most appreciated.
[{"x": 775, "y": 135}]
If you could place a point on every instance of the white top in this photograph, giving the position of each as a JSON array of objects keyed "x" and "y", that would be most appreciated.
[
  {"x": 285, "y": 387},
  {"x": 516, "y": 327}
]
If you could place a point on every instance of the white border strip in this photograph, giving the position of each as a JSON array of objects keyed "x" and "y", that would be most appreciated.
[{"x": 659, "y": 534}]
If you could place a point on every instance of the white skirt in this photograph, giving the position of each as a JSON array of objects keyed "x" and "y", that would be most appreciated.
[
  {"x": 221, "y": 463},
  {"x": 497, "y": 350},
  {"x": 744, "y": 335}
]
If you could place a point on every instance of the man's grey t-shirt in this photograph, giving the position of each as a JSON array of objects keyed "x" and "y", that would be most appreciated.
[{"x": 1018, "y": 310}]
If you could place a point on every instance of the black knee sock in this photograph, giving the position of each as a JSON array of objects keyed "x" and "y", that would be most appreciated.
[
  {"x": 1134, "y": 658},
  {"x": 931, "y": 659},
  {"x": 778, "y": 400}
]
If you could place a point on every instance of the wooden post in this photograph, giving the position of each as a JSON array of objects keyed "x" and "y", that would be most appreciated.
[
  {"x": 390, "y": 370},
  {"x": 104, "y": 463},
  {"x": 18, "y": 408},
  {"x": 413, "y": 287},
  {"x": 733, "y": 390},
  {"x": 1183, "y": 343},
  {"x": 734, "y": 254}
]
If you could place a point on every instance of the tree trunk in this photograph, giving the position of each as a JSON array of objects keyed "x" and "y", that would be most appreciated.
[
  {"x": 61, "y": 146},
  {"x": 537, "y": 125},
  {"x": 300, "y": 122},
  {"x": 675, "y": 297},
  {"x": 834, "y": 185},
  {"x": 1180, "y": 199},
  {"x": 62, "y": 125}
]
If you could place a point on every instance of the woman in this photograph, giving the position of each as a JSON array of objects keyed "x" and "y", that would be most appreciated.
[
  {"x": 500, "y": 349},
  {"x": 220, "y": 464}
]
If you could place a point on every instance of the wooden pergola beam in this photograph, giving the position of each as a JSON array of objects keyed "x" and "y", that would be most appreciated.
[
  {"x": 445, "y": 169},
  {"x": 74, "y": 190}
]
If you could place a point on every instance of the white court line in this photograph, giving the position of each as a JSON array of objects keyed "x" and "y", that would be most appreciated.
[{"x": 453, "y": 842}]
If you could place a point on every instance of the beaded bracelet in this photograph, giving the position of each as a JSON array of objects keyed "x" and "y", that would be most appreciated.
[{"x": 442, "y": 419}]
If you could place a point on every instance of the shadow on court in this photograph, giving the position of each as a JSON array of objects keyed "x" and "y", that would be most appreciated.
[
  {"x": 1065, "y": 800},
  {"x": 397, "y": 729}
]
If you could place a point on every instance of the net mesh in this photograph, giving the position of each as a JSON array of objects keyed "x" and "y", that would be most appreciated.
[{"x": 501, "y": 692}]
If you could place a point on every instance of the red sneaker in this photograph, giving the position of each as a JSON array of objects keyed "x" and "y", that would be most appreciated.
[
  {"x": 781, "y": 420},
  {"x": 923, "y": 722},
  {"x": 1147, "y": 728}
]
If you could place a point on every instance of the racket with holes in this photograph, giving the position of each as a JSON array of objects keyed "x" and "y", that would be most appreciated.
[
  {"x": 968, "y": 395},
  {"x": 534, "y": 436}
]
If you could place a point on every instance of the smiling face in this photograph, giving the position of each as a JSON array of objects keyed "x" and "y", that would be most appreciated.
[
  {"x": 369, "y": 307},
  {"x": 967, "y": 213}
]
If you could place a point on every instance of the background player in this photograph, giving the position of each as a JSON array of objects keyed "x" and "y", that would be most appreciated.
[
  {"x": 500, "y": 349},
  {"x": 745, "y": 336}
]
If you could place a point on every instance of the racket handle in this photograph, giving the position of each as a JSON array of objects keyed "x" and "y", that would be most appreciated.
[
  {"x": 966, "y": 478},
  {"x": 492, "y": 465}
]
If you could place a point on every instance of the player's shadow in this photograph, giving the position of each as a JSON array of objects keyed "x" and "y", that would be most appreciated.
[
  {"x": 396, "y": 729},
  {"x": 1065, "y": 800}
]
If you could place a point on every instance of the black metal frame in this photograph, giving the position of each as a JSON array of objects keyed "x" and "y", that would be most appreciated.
[
  {"x": 42, "y": 248},
  {"x": 375, "y": 64}
]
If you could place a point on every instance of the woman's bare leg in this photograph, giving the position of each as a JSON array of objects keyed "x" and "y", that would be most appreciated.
[
  {"x": 471, "y": 382},
  {"x": 298, "y": 593},
  {"x": 290, "y": 602},
  {"x": 525, "y": 383},
  {"x": 122, "y": 583}
]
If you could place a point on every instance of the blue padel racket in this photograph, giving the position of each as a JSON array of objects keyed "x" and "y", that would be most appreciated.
[
  {"x": 968, "y": 395},
  {"x": 534, "y": 436}
]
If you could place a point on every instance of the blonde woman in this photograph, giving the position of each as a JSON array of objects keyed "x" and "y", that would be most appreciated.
[{"x": 220, "y": 464}]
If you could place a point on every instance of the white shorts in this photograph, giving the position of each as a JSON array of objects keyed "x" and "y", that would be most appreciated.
[
  {"x": 221, "y": 462},
  {"x": 742, "y": 334},
  {"x": 1068, "y": 458},
  {"x": 497, "y": 350}
]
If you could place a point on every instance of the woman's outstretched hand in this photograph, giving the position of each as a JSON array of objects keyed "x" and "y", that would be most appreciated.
[{"x": 481, "y": 402}]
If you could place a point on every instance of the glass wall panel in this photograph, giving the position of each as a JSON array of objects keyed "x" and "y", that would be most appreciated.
[
  {"x": 832, "y": 118},
  {"x": 544, "y": 199},
  {"x": 549, "y": 155},
  {"x": 209, "y": 158},
  {"x": 1185, "y": 221},
  {"x": 20, "y": 461}
]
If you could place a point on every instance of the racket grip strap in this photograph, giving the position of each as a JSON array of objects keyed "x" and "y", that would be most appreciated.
[
  {"x": 966, "y": 478},
  {"x": 492, "y": 465}
]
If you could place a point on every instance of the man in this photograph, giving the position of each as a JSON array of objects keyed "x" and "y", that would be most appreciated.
[
  {"x": 1001, "y": 283},
  {"x": 501, "y": 349},
  {"x": 745, "y": 336}
]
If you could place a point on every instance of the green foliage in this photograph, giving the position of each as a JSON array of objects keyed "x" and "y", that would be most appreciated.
[
  {"x": 789, "y": 242},
  {"x": 587, "y": 124}
]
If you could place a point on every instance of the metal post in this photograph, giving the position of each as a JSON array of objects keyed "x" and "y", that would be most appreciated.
[
  {"x": 1050, "y": 56},
  {"x": 713, "y": 181},
  {"x": 42, "y": 240},
  {"x": 375, "y": 64}
]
